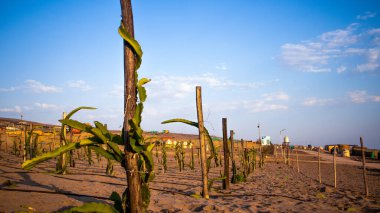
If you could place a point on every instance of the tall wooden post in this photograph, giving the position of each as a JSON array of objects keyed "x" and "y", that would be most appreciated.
[
  {"x": 31, "y": 143},
  {"x": 226, "y": 181},
  {"x": 319, "y": 165},
  {"x": 24, "y": 149},
  {"x": 232, "y": 144},
  {"x": 275, "y": 152},
  {"x": 6, "y": 142},
  {"x": 298, "y": 166},
  {"x": 334, "y": 163},
  {"x": 202, "y": 142},
  {"x": 133, "y": 177},
  {"x": 62, "y": 143},
  {"x": 364, "y": 168}
]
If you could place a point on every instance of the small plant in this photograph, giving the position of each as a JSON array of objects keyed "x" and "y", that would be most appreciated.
[
  {"x": 180, "y": 155},
  {"x": 249, "y": 161},
  {"x": 16, "y": 146},
  {"x": 89, "y": 156},
  {"x": 191, "y": 164}
]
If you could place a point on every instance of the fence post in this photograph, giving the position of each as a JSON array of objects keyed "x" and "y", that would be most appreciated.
[
  {"x": 319, "y": 165},
  {"x": 226, "y": 181},
  {"x": 202, "y": 141},
  {"x": 364, "y": 168},
  {"x": 298, "y": 166},
  {"x": 232, "y": 144},
  {"x": 334, "y": 163},
  {"x": 6, "y": 142},
  {"x": 275, "y": 152}
]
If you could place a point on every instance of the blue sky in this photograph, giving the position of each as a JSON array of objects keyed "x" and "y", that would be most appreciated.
[{"x": 310, "y": 67}]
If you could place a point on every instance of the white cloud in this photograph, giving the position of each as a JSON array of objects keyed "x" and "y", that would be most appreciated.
[
  {"x": 305, "y": 57},
  {"x": 341, "y": 69},
  {"x": 10, "y": 89},
  {"x": 276, "y": 96},
  {"x": 354, "y": 44},
  {"x": 117, "y": 91},
  {"x": 182, "y": 86},
  {"x": 79, "y": 84},
  {"x": 373, "y": 61},
  {"x": 221, "y": 66},
  {"x": 262, "y": 106},
  {"x": 268, "y": 102},
  {"x": 366, "y": 15},
  {"x": 39, "y": 87},
  {"x": 359, "y": 96},
  {"x": 313, "y": 101},
  {"x": 375, "y": 98},
  {"x": 339, "y": 38},
  {"x": 33, "y": 86},
  {"x": 46, "y": 106},
  {"x": 15, "y": 109}
]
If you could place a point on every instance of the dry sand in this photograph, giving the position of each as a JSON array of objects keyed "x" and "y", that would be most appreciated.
[{"x": 275, "y": 188}]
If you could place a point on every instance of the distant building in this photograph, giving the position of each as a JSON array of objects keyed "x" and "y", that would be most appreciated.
[{"x": 265, "y": 141}]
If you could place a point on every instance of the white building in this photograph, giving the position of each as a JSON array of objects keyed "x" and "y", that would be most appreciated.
[{"x": 265, "y": 140}]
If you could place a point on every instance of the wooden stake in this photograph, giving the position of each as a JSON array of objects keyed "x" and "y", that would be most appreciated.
[
  {"x": 319, "y": 165},
  {"x": 275, "y": 152},
  {"x": 134, "y": 202},
  {"x": 298, "y": 166},
  {"x": 6, "y": 142},
  {"x": 232, "y": 143},
  {"x": 24, "y": 150},
  {"x": 202, "y": 142},
  {"x": 364, "y": 168},
  {"x": 226, "y": 181},
  {"x": 334, "y": 163},
  {"x": 287, "y": 155},
  {"x": 31, "y": 143},
  {"x": 62, "y": 143}
]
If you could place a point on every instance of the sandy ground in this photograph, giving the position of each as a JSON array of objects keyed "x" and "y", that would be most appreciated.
[{"x": 275, "y": 188}]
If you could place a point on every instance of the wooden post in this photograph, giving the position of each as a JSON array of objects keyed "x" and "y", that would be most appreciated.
[
  {"x": 202, "y": 144},
  {"x": 275, "y": 153},
  {"x": 319, "y": 165},
  {"x": 31, "y": 143},
  {"x": 334, "y": 163},
  {"x": 134, "y": 202},
  {"x": 232, "y": 144},
  {"x": 192, "y": 156},
  {"x": 24, "y": 149},
  {"x": 226, "y": 181},
  {"x": 62, "y": 143},
  {"x": 72, "y": 161},
  {"x": 6, "y": 142},
  {"x": 298, "y": 166},
  {"x": 53, "y": 138},
  {"x": 287, "y": 155},
  {"x": 364, "y": 168}
]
